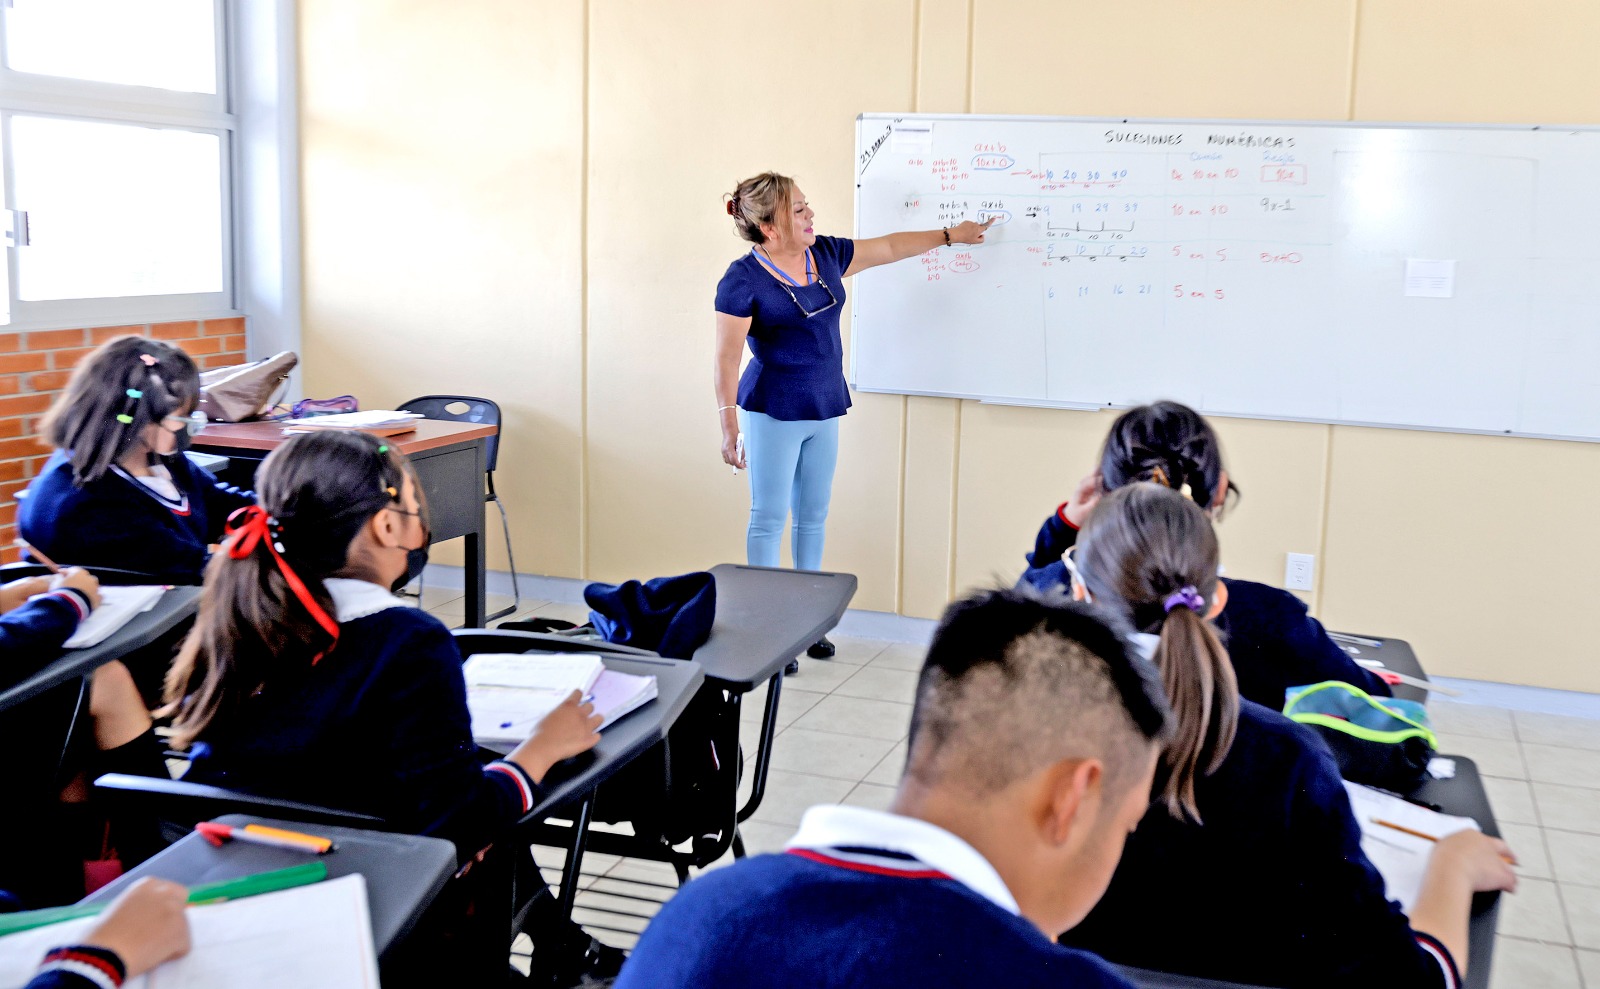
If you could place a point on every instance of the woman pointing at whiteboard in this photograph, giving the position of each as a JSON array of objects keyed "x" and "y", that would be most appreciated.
[{"x": 784, "y": 298}]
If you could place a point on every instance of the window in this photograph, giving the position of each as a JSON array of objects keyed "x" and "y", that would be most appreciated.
[{"x": 117, "y": 144}]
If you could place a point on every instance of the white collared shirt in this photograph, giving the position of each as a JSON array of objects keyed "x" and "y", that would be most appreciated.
[
  {"x": 354, "y": 599},
  {"x": 1145, "y": 643},
  {"x": 838, "y": 826}
]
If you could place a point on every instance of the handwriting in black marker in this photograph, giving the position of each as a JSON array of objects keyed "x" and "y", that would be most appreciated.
[{"x": 867, "y": 155}]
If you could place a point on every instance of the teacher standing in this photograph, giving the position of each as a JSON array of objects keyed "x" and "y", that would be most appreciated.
[{"x": 784, "y": 298}]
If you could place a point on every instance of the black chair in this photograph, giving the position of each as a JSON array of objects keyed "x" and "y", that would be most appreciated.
[{"x": 482, "y": 411}]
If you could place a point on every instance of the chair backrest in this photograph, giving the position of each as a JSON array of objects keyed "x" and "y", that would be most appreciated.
[
  {"x": 462, "y": 408},
  {"x": 186, "y": 803}
]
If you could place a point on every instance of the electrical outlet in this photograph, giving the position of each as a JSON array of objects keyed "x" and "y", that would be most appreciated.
[{"x": 1298, "y": 572}]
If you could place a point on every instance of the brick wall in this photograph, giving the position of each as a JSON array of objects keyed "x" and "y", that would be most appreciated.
[{"x": 34, "y": 367}]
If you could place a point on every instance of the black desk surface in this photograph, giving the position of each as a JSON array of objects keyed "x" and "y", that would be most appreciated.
[
  {"x": 404, "y": 872},
  {"x": 1394, "y": 654},
  {"x": 767, "y": 616},
  {"x": 176, "y": 605},
  {"x": 1463, "y": 796},
  {"x": 677, "y": 680}
]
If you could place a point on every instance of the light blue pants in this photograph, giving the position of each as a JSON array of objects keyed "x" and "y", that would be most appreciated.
[{"x": 791, "y": 469}]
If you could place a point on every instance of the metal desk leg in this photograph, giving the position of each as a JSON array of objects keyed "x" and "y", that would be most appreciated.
[
  {"x": 769, "y": 730},
  {"x": 476, "y": 577},
  {"x": 569, "y": 872}
]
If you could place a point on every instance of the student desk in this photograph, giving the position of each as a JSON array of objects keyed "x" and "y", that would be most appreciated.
[
  {"x": 449, "y": 460},
  {"x": 404, "y": 872},
  {"x": 765, "y": 617},
  {"x": 1394, "y": 654},
  {"x": 1462, "y": 795},
  {"x": 570, "y": 786},
  {"x": 175, "y": 606}
]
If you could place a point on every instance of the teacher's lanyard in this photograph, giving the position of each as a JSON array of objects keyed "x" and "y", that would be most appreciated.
[{"x": 779, "y": 272}]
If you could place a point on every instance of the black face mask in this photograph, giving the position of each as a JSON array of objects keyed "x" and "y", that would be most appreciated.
[
  {"x": 181, "y": 441},
  {"x": 416, "y": 560}
]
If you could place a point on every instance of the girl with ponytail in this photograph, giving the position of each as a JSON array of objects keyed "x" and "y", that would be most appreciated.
[
  {"x": 1248, "y": 866},
  {"x": 306, "y": 678},
  {"x": 1274, "y": 644}
]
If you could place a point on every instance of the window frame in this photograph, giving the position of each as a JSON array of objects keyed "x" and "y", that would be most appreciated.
[{"x": 29, "y": 94}]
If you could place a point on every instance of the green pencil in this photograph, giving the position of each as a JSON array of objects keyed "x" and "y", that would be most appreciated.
[{"x": 227, "y": 889}]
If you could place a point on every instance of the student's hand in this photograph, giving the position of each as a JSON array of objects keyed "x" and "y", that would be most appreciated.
[
  {"x": 145, "y": 926},
  {"x": 969, "y": 232},
  {"x": 731, "y": 454},
  {"x": 78, "y": 579},
  {"x": 16, "y": 593},
  {"x": 572, "y": 728},
  {"x": 1083, "y": 500},
  {"x": 1482, "y": 861}
]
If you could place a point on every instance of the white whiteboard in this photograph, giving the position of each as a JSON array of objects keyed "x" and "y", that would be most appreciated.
[{"x": 1244, "y": 268}]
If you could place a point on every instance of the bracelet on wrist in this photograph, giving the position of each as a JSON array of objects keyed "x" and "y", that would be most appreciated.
[
  {"x": 946, "y": 232},
  {"x": 723, "y": 408}
]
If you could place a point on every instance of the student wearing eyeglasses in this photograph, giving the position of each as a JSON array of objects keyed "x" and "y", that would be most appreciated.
[
  {"x": 784, "y": 298},
  {"x": 119, "y": 492}
]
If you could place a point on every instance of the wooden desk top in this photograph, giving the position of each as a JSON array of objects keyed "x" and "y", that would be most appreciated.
[{"x": 429, "y": 434}]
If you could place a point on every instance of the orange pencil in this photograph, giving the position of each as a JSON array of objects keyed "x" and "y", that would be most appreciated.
[
  {"x": 47, "y": 563},
  {"x": 1422, "y": 834}
]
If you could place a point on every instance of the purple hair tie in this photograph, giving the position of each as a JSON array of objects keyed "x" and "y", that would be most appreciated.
[{"x": 1184, "y": 597}]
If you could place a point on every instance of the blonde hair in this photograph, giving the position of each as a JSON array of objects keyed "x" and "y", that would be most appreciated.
[{"x": 759, "y": 200}]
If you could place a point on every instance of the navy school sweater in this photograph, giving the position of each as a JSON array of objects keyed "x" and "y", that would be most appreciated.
[
  {"x": 789, "y": 921},
  {"x": 1272, "y": 889},
  {"x": 117, "y": 522},
  {"x": 1272, "y": 639},
  {"x": 379, "y": 726},
  {"x": 31, "y": 636}
]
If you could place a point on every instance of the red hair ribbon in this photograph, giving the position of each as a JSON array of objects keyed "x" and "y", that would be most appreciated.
[{"x": 249, "y": 528}]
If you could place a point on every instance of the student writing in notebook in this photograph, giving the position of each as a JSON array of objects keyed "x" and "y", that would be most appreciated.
[
  {"x": 1248, "y": 867},
  {"x": 1033, "y": 740},
  {"x": 143, "y": 928},
  {"x": 118, "y": 491},
  {"x": 1272, "y": 641},
  {"x": 306, "y": 677},
  {"x": 50, "y": 825}
]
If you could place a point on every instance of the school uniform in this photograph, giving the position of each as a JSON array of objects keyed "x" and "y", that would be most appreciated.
[
  {"x": 161, "y": 526},
  {"x": 1272, "y": 889},
  {"x": 1272, "y": 639},
  {"x": 79, "y": 966},
  {"x": 859, "y": 898},
  {"x": 379, "y": 725},
  {"x": 33, "y": 634}
]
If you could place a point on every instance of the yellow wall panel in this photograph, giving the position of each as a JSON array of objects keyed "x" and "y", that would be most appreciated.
[
  {"x": 1160, "y": 58},
  {"x": 442, "y": 156},
  {"x": 1476, "y": 549},
  {"x": 1479, "y": 61}
]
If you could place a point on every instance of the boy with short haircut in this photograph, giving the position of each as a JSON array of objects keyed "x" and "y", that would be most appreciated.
[{"x": 1033, "y": 742}]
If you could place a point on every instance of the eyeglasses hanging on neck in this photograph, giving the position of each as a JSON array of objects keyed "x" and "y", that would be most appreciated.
[{"x": 789, "y": 285}]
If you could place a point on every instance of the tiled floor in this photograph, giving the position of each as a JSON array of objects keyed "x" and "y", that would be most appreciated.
[{"x": 843, "y": 724}]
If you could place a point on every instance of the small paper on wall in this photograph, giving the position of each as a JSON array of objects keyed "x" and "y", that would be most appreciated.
[{"x": 1430, "y": 279}]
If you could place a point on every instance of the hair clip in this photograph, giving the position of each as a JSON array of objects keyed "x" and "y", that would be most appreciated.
[
  {"x": 135, "y": 393},
  {"x": 733, "y": 206},
  {"x": 149, "y": 360},
  {"x": 383, "y": 449},
  {"x": 392, "y": 492},
  {"x": 124, "y": 417},
  {"x": 1160, "y": 477}
]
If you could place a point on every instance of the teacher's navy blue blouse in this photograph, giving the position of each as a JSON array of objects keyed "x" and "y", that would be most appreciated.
[{"x": 797, "y": 366}]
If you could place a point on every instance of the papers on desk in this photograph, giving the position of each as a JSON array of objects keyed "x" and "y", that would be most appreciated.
[
  {"x": 508, "y": 694},
  {"x": 310, "y": 937},
  {"x": 118, "y": 605},
  {"x": 1401, "y": 858},
  {"x": 384, "y": 422}
]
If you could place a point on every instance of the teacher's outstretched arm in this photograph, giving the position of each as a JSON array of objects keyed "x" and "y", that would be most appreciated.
[
  {"x": 898, "y": 247},
  {"x": 731, "y": 333}
]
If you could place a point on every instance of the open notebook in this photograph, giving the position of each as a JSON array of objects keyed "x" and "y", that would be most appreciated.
[
  {"x": 118, "y": 605},
  {"x": 509, "y": 694},
  {"x": 310, "y": 937},
  {"x": 1401, "y": 858}
]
